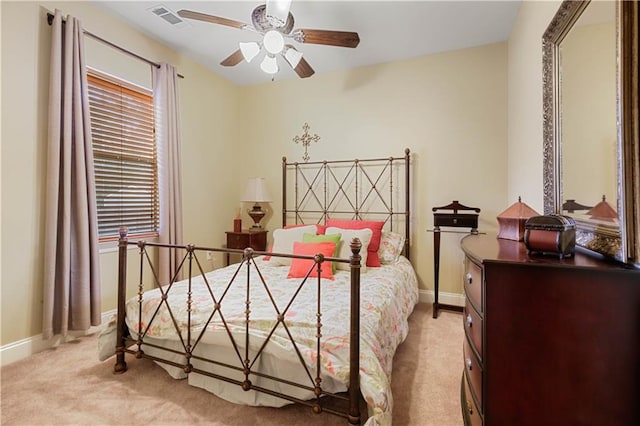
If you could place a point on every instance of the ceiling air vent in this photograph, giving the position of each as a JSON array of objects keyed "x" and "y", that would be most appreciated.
[{"x": 168, "y": 15}]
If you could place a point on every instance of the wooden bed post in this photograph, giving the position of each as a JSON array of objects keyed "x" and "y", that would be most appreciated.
[
  {"x": 354, "y": 338},
  {"x": 121, "y": 365}
]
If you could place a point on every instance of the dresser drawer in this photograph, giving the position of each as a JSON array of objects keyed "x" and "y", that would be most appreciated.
[
  {"x": 473, "y": 371},
  {"x": 473, "y": 327},
  {"x": 472, "y": 415},
  {"x": 473, "y": 283},
  {"x": 238, "y": 241},
  {"x": 257, "y": 240},
  {"x": 459, "y": 220}
]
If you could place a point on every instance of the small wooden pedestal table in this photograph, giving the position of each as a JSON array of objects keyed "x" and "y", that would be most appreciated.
[{"x": 455, "y": 220}]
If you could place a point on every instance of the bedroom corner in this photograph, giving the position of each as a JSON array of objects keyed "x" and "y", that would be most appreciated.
[
  {"x": 435, "y": 105},
  {"x": 208, "y": 108}
]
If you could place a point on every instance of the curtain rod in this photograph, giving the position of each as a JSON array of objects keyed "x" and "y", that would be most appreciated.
[{"x": 50, "y": 17}]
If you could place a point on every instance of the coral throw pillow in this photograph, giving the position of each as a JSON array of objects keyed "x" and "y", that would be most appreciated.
[
  {"x": 376, "y": 228},
  {"x": 283, "y": 240},
  {"x": 332, "y": 238},
  {"x": 300, "y": 267}
]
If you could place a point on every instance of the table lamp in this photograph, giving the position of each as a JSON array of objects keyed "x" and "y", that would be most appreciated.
[{"x": 256, "y": 192}]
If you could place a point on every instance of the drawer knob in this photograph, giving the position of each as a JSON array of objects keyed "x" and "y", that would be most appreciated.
[
  {"x": 469, "y": 278},
  {"x": 469, "y": 321},
  {"x": 469, "y": 363}
]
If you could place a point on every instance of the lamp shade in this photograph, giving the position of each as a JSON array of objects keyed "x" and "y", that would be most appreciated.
[
  {"x": 292, "y": 56},
  {"x": 256, "y": 191},
  {"x": 269, "y": 65},
  {"x": 273, "y": 42},
  {"x": 249, "y": 50}
]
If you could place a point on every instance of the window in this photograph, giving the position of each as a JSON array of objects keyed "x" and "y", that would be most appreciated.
[{"x": 125, "y": 156}]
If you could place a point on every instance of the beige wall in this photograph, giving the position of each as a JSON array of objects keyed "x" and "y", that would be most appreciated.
[
  {"x": 525, "y": 152},
  {"x": 472, "y": 119},
  {"x": 208, "y": 107},
  {"x": 449, "y": 109},
  {"x": 589, "y": 120}
]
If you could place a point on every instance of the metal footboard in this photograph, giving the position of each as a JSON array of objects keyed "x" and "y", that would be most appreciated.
[{"x": 347, "y": 406}]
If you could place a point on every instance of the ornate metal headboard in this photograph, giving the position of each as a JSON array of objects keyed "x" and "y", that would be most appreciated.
[{"x": 369, "y": 189}]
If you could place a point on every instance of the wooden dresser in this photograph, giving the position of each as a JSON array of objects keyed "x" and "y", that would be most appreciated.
[{"x": 548, "y": 341}]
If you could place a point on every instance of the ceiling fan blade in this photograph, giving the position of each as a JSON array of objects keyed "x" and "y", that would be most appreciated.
[
  {"x": 327, "y": 37},
  {"x": 303, "y": 69},
  {"x": 212, "y": 19},
  {"x": 234, "y": 59}
]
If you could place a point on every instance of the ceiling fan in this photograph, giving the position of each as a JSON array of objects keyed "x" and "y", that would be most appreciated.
[{"x": 275, "y": 22}]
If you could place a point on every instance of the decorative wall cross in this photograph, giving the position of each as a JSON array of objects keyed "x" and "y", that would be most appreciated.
[{"x": 305, "y": 140}]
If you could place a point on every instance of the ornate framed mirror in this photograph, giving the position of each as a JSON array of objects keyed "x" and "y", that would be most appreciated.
[{"x": 591, "y": 125}]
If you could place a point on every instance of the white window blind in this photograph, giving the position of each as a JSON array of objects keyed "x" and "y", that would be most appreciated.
[{"x": 125, "y": 157}]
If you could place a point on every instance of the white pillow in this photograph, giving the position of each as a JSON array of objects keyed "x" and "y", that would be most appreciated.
[
  {"x": 345, "y": 250},
  {"x": 283, "y": 240},
  {"x": 391, "y": 245}
]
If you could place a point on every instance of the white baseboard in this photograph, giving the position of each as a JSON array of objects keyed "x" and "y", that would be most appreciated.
[
  {"x": 455, "y": 299},
  {"x": 21, "y": 349}
]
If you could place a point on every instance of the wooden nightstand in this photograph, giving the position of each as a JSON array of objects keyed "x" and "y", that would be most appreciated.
[{"x": 256, "y": 239}]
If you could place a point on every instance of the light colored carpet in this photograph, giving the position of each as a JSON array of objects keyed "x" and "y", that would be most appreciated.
[{"x": 69, "y": 386}]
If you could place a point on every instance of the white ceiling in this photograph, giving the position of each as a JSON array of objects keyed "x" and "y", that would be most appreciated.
[{"x": 388, "y": 30}]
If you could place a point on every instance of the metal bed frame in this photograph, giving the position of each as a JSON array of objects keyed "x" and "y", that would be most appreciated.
[
  {"x": 348, "y": 406},
  {"x": 320, "y": 191}
]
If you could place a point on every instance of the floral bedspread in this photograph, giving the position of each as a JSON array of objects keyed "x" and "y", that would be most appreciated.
[{"x": 388, "y": 296}]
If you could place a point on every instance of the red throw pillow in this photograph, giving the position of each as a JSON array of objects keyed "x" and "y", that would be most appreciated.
[
  {"x": 300, "y": 267},
  {"x": 270, "y": 250},
  {"x": 375, "y": 226}
]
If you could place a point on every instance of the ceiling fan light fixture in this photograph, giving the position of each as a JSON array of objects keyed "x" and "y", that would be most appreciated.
[
  {"x": 273, "y": 42},
  {"x": 292, "y": 56},
  {"x": 273, "y": 36},
  {"x": 277, "y": 12},
  {"x": 269, "y": 64},
  {"x": 249, "y": 50}
]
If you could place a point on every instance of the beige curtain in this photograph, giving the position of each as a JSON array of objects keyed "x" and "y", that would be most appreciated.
[
  {"x": 165, "y": 96},
  {"x": 71, "y": 264}
]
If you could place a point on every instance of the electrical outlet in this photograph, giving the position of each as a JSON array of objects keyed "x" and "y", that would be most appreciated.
[{"x": 210, "y": 256}]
